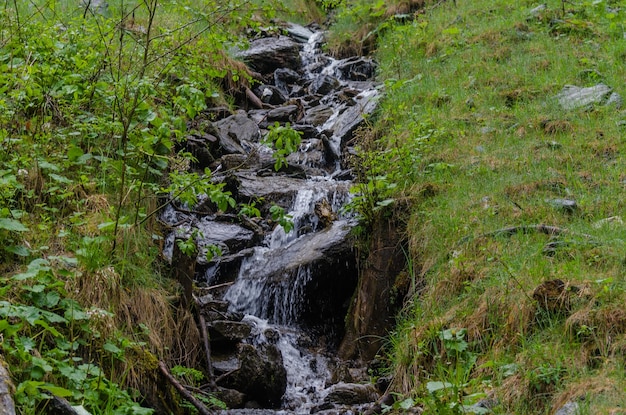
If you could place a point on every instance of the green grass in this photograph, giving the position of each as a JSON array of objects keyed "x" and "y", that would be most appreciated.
[{"x": 484, "y": 75}]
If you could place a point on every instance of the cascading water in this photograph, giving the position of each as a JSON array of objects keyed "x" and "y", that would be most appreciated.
[{"x": 293, "y": 287}]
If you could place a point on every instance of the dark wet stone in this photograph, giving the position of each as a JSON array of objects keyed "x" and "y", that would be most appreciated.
[
  {"x": 284, "y": 78},
  {"x": 357, "y": 69},
  {"x": 340, "y": 128},
  {"x": 229, "y": 237},
  {"x": 235, "y": 130},
  {"x": 286, "y": 113},
  {"x": 351, "y": 394},
  {"x": 341, "y": 373},
  {"x": 224, "y": 363},
  {"x": 323, "y": 85},
  {"x": 268, "y": 54},
  {"x": 220, "y": 315},
  {"x": 200, "y": 148},
  {"x": 270, "y": 94},
  {"x": 224, "y": 330},
  {"x": 261, "y": 375},
  {"x": 318, "y": 115},
  {"x": 308, "y": 131},
  {"x": 207, "y": 302},
  {"x": 232, "y": 398}
]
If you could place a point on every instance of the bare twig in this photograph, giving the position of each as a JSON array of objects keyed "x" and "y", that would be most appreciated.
[
  {"x": 215, "y": 287},
  {"x": 207, "y": 345}
]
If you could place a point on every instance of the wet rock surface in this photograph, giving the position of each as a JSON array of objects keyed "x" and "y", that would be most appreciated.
[{"x": 278, "y": 298}]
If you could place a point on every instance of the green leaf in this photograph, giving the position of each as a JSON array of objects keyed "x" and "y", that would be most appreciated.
[
  {"x": 433, "y": 387},
  {"x": 9, "y": 329},
  {"x": 107, "y": 226},
  {"x": 48, "y": 166},
  {"x": 60, "y": 179},
  {"x": 12, "y": 225},
  {"x": 406, "y": 404},
  {"x": 72, "y": 373},
  {"x": 111, "y": 348},
  {"x": 19, "y": 250},
  {"x": 74, "y": 152},
  {"x": 56, "y": 390}
]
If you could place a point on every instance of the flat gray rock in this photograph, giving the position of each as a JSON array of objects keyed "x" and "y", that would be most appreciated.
[{"x": 572, "y": 97}]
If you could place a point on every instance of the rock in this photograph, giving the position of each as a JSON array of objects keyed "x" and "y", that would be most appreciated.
[
  {"x": 228, "y": 236},
  {"x": 482, "y": 405},
  {"x": 536, "y": 12},
  {"x": 284, "y": 77},
  {"x": 313, "y": 154},
  {"x": 308, "y": 131},
  {"x": 235, "y": 130},
  {"x": 349, "y": 118},
  {"x": 300, "y": 33},
  {"x": 207, "y": 302},
  {"x": 96, "y": 6},
  {"x": 268, "y": 54},
  {"x": 357, "y": 69},
  {"x": 572, "y": 97},
  {"x": 613, "y": 220},
  {"x": 7, "y": 406},
  {"x": 565, "y": 205},
  {"x": 286, "y": 113},
  {"x": 220, "y": 315},
  {"x": 200, "y": 148},
  {"x": 615, "y": 100},
  {"x": 261, "y": 375},
  {"x": 233, "y": 331},
  {"x": 270, "y": 94},
  {"x": 318, "y": 115},
  {"x": 281, "y": 275},
  {"x": 341, "y": 374},
  {"x": 351, "y": 394},
  {"x": 323, "y": 85},
  {"x": 570, "y": 408},
  {"x": 232, "y": 398}
]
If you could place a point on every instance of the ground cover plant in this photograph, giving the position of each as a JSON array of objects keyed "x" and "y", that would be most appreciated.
[
  {"x": 94, "y": 102},
  {"x": 516, "y": 229}
]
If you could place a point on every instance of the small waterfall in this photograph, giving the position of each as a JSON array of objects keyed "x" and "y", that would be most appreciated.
[
  {"x": 293, "y": 287},
  {"x": 274, "y": 299}
]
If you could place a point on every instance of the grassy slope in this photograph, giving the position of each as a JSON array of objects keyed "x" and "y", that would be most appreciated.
[{"x": 483, "y": 75}]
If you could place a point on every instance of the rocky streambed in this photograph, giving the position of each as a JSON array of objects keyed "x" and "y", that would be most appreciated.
[{"x": 275, "y": 302}]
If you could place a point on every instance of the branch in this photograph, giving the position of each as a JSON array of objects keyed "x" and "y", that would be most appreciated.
[
  {"x": 202, "y": 409},
  {"x": 207, "y": 344}
]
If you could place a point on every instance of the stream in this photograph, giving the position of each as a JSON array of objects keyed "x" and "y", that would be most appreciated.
[{"x": 276, "y": 301}]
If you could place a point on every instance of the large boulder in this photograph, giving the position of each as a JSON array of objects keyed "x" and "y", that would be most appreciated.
[
  {"x": 261, "y": 375},
  {"x": 268, "y": 54}
]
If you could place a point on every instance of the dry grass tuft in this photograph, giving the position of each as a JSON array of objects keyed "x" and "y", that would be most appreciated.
[
  {"x": 553, "y": 127},
  {"x": 587, "y": 387},
  {"x": 170, "y": 332},
  {"x": 404, "y": 7}
]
